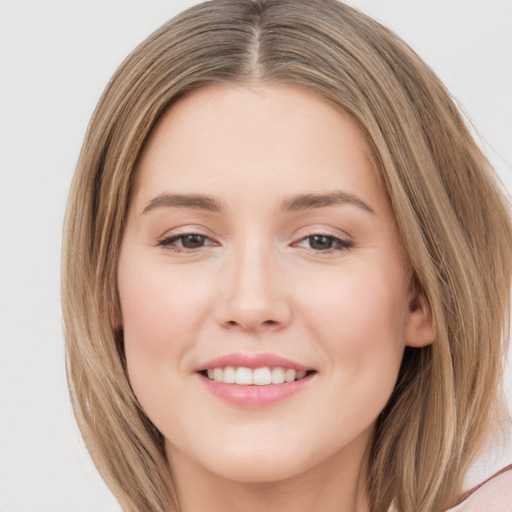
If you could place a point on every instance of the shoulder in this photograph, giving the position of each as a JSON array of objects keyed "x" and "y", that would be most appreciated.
[{"x": 494, "y": 495}]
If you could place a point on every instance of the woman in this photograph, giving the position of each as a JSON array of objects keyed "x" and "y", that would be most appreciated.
[{"x": 286, "y": 271}]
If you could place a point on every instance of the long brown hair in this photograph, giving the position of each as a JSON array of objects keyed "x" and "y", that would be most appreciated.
[{"x": 451, "y": 214}]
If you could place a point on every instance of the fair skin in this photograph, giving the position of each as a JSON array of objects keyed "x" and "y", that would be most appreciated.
[{"x": 229, "y": 248}]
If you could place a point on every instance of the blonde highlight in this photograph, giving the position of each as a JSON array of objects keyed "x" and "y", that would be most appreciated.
[{"x": 452, "y": 216}]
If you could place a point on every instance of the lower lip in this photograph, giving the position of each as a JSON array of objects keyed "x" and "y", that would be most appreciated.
[{"x": 253, "y": 395}]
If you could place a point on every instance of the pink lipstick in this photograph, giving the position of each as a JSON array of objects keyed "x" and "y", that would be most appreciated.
[
  {"x": 254, "y": 380},
  {"x": 252, "y": 361}
]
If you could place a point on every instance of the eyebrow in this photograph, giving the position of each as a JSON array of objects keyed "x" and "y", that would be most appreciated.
[
  {"x": 308, "y": 201},
  {"x": 193, "y": 201},
  {"x": 294, "y": 204}
]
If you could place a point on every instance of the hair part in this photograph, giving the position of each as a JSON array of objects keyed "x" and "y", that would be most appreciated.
[{"x": 449, "y": 209}]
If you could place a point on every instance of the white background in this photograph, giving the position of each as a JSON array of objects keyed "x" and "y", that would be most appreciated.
[{"x": 55, "y": 59}]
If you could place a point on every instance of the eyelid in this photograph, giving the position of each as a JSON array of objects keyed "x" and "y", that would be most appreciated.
[
  {"x": 185, "y": 235},
  {"x": 172, "y": 236},
  {"x": 342, "y": 240},
  {"x": 184, "y": 230},
  {"x": 321, "y": 230},
  {"x": 171, "y": 243},
  {"x": 338, "y": 243}
]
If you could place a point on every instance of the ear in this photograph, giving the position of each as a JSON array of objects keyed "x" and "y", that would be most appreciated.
[{"x": 419, "y": 330}]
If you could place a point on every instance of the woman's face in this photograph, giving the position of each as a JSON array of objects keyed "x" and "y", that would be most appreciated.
[{"x": 259, "y": 240}]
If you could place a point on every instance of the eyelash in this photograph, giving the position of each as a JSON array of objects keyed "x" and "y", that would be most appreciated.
[
  {"x": 337, "y": 244},
  {"x": 169, "y": 242}
]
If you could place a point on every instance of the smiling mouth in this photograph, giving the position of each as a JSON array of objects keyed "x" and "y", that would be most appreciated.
[{"x": 263, "y": 376}]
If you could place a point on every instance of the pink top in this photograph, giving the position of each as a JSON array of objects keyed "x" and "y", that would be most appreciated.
[{"x": 493, "y": 495}]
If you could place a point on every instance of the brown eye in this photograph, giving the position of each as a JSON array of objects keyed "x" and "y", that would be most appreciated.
[
  {"x": 185, "y": 242},
  {"x": 321, "y": 242},
  {"x": 192, "y": 241}
]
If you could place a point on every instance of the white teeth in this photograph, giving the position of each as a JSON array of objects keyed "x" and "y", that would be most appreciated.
[
  {"x": 262, "y": 376},
  {"x": 229, "y": 375},
  {"x": 289, "y": 376},
  {"x": 218, "y": 373},
  {"x": 243, "y": 376},
  {"x": 277, "y": 375},
  {"x": 259, "y": 376}
]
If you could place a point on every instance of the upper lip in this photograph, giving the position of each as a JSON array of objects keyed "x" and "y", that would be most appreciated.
[{"x": 253, "y": 361}]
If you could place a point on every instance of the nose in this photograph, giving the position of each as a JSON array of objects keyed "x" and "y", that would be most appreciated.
[{"x": 254, "y": 296}]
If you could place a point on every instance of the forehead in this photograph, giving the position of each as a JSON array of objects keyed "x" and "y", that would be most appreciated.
[{"x": 241, "y": 141}]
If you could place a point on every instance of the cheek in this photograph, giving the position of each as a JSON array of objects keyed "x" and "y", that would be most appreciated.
[
  {"x": 161, "y": 315},
  {"x": 359, "y": 321},
  {"x": 360, "y": 328},
  {"x": 157, "y": 305}
]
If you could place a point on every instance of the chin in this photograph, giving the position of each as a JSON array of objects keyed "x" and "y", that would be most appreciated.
[
  {"x": 255, "y": 470},
  {"x": 246, "y": 461}
]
